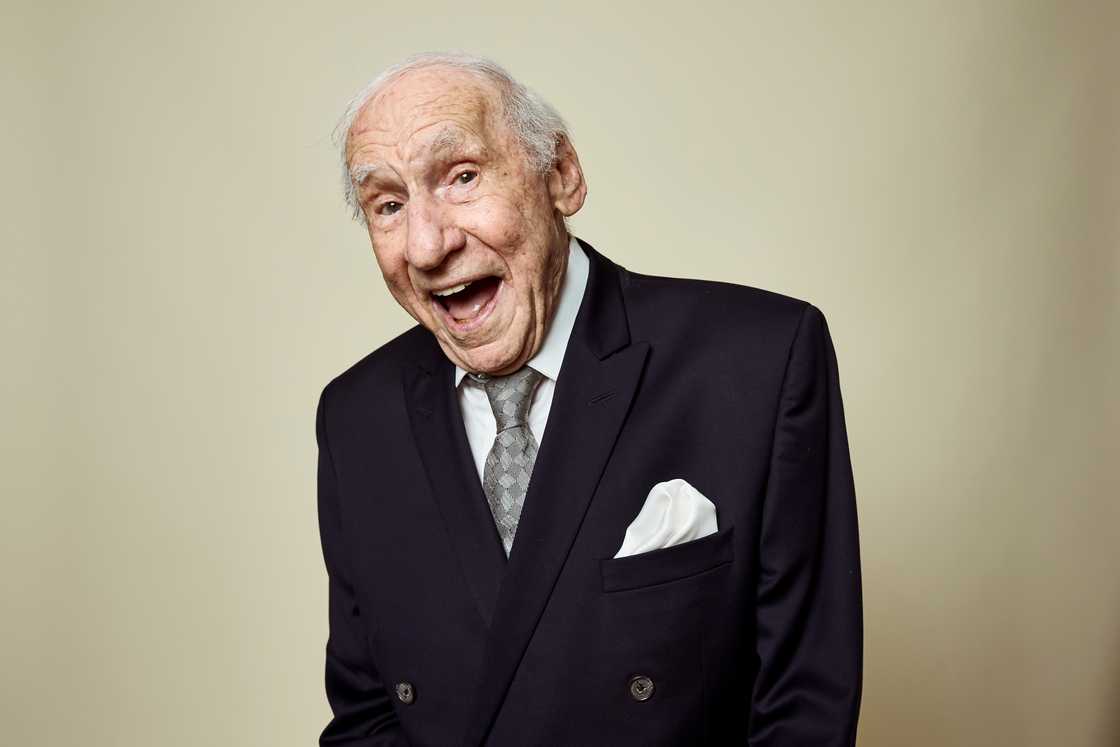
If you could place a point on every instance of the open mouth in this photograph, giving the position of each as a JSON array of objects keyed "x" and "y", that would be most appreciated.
[{"x": 468, "y": 306}]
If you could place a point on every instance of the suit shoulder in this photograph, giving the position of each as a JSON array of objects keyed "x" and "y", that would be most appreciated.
[
  {"x": 715, "y": 305},
  {"x": 381, "y": 367}
]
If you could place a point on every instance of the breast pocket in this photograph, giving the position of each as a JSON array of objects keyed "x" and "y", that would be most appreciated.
[{"x": 668, "y": 564}]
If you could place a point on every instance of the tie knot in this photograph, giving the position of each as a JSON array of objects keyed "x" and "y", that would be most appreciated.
[{"x": 510, "y": 396}]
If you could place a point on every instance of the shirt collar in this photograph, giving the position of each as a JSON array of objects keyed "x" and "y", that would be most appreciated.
[{"x": 551, "y": 353}]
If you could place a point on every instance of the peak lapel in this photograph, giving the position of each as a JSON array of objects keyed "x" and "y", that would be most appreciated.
[{"x": 597, "y": 381}]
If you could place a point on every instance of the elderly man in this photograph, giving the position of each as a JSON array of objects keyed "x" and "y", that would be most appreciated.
[{"x": 574, "y": 504}]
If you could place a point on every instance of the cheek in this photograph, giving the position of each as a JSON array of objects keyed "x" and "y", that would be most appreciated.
[
  {"x": 496, "y": 221},
  {"x": 392, "y": 263}
]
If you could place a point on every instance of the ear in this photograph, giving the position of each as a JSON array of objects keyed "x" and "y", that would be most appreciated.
[{"x": 566, "y": 185}]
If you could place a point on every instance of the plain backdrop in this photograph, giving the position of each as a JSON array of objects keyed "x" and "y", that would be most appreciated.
[{"x": 180, "y": 279}]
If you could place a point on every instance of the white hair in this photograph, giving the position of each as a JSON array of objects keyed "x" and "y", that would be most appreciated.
[{"x": 536, "y": 124}]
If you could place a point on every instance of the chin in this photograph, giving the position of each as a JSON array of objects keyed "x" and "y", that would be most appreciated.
[{"x": 499, "y": 355}]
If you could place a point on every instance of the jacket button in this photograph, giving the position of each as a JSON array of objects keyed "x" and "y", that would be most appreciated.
[
  {"x": 405, "y": 692},
  {"x": 641, "y": 687}
]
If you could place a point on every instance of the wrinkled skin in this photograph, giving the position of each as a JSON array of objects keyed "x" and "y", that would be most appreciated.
[{"x": 451, "y": 196}]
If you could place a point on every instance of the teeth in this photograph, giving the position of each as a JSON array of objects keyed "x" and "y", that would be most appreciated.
[{"x": 449, "y": 291}]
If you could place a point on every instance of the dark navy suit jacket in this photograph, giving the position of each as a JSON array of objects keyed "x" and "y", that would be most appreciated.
[{"x": 752, "y": 635}]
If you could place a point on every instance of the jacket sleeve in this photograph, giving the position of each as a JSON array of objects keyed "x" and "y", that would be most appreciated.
[
  {"x": 362, "y": 708},
  {"x": 809, "y": 596}
]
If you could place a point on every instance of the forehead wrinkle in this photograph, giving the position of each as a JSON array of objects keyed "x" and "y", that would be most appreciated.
[
  {"x": 466, "y": 102},
  {"x": 396, "y": 112},
  {"x": 459, "y": 93},
  {"x": 389, "y": 116}
]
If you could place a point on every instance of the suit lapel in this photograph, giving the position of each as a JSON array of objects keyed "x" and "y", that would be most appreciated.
[
  {"x": 441, "y": 438},
  {"x": 598, "y": 379}
]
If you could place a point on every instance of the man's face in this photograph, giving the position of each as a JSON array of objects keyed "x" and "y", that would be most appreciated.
[{"x": 450, "y": 198}]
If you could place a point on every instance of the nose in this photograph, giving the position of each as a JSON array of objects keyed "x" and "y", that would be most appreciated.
[{"x": 432, "y": 233}]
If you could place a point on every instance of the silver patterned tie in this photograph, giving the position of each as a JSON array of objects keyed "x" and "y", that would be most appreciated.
[{"x": 509, "y": 464}]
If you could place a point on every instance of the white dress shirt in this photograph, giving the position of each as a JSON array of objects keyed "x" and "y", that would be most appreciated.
[{"x": 478, "y": 416}]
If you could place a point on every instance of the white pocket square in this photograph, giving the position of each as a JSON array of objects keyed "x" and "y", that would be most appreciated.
[{"x": 674, "y": 512}]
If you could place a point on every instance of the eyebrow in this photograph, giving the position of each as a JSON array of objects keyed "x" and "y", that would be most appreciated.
[
  {"x": 360, "y": 173},
  {"x": 452, "y": 142},
  {"x": 448, "y": 139}
]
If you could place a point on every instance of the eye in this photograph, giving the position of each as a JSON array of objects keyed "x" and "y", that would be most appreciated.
[
  {"x": 388, "y": 208},
  {"x": 465, "y": 177}
]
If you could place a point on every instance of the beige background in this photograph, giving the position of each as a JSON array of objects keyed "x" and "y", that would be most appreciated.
[{"x": 181, "y": 279}]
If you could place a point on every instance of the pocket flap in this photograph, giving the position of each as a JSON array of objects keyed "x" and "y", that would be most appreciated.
[{"x": 667, "y": 563}]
